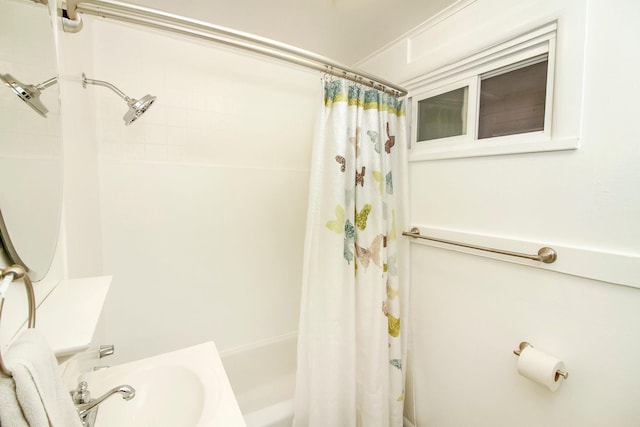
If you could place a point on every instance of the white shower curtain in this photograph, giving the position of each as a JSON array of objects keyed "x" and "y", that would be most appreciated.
[{"x": 352, "y": 331}]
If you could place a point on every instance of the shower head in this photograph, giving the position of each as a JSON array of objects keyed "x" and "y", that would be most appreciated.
[
  {"x": 137, "y": 107},
  {"x": 29, "y": 93}
]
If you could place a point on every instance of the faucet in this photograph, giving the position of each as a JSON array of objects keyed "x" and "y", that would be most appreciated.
[{"x": 87, "y": 408}]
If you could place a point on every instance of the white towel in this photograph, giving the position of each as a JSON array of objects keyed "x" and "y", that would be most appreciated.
[
  {"x": 10, "y": 413},
  {"x": 39, "y": 388}
]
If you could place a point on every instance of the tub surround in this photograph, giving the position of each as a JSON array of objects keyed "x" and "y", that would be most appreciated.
[{"x": 263, "y": 375}]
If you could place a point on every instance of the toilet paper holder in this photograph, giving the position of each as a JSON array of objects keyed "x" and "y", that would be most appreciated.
[{"x": 524, "y": 345}]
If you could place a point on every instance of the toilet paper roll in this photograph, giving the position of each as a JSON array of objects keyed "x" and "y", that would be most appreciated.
[{"x": 540, "y": 367}]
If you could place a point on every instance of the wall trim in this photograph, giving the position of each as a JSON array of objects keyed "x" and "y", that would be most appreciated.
[
  {"x": 443, "y": 15},
  {"x": 469, "y": 64}
]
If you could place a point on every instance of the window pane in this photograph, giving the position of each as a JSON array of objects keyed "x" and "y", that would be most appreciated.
[
  {"x": 513, "y": 102},
  {"x": 443, "y": 115}
]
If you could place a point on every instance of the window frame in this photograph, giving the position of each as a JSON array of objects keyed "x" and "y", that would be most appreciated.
[
  {"x": 468, "y": 72},
  {"x": 510, "y": 68},
  {"x": 472, "y": 99}
]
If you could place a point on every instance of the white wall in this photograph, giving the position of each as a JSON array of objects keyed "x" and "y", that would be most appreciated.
[
  {"x": 81, "y": 201},
  {"x": 470, "y": 312},
  {"x": 203, "y": 199}
]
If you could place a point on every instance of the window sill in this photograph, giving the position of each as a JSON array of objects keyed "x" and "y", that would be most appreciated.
[{"x": 518, "y": 144}]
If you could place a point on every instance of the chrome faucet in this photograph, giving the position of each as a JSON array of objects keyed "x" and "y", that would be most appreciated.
[
  {"x": 106, "y": 350},
  {"x": 87, "y": 408}
]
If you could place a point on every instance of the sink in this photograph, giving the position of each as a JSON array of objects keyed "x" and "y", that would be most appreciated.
[
  {"x": 185, "y": 388},
  {"x": 166, "y": 395}
]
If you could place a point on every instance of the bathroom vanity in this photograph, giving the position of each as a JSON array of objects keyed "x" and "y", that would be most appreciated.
[{"x": 187, "y": 387}]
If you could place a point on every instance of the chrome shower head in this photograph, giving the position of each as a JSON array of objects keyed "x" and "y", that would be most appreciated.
[
  {"x": 137, "y": 107},
  {"x": 30, "y": 94}
]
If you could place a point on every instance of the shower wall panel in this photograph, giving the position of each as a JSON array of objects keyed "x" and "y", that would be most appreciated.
[{"x": 203, "y": 200}]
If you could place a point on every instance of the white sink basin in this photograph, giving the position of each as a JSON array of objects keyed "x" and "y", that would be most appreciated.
[{"x": 184, "y": 388}]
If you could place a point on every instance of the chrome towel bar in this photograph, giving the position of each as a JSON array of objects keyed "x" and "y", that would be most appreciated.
[
  {"x": 545, "y": 254},
  {"x": 16, "y": 272}
]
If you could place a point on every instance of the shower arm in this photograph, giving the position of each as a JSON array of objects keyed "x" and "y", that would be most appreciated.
[
  {"x": 47, "y": 83},
  {"x": 120, "y": 93}
]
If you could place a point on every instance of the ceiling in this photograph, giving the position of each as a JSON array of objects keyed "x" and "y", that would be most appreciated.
[{"x": 343, "y": 30}]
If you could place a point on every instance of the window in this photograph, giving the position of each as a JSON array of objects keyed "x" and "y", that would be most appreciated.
[
  {"x": 498, "y": 101},
  {"x": 443, "y": 115},
  {"x": 512, "y": 101}
]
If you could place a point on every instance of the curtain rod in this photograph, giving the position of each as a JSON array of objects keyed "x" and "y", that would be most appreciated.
[{"x": 191, "y": 27}]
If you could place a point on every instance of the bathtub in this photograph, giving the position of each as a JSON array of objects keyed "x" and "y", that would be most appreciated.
[
  {"x": 277, "y": 415},
  {"x": 262, "y": 376}
]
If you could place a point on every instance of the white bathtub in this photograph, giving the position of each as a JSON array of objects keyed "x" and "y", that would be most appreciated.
[
  {"x": 277, "y": 415},
  {"x": 263, "y": 379},
  {"x": 262, "y": 376}
]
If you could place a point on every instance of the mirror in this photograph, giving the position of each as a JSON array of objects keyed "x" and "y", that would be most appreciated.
[{"x": 30, "y": 137}]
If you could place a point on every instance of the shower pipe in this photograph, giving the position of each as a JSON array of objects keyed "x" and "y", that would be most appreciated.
[
  {"x": 546, "y": 255},
  {"x": 191, "y": 27}
]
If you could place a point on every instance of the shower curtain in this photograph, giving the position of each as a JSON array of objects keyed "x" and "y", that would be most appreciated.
[{"x": 352, "y": 332}]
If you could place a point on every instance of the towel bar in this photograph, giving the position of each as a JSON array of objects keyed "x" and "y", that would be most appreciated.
[
  {"x": 546, "y": 254},
  {"x": 16, "y": 272}
]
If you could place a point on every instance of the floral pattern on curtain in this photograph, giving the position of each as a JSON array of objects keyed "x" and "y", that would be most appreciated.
[{"x": 350, "y": 345}]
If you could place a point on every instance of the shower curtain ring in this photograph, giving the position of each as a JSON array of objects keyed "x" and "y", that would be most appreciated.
[{"x": 328, "y": 75}]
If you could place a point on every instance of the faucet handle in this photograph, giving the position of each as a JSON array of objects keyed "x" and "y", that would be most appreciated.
[
  {"x": 81, "y": 394},
  {"x": 106, "y": 350}
]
